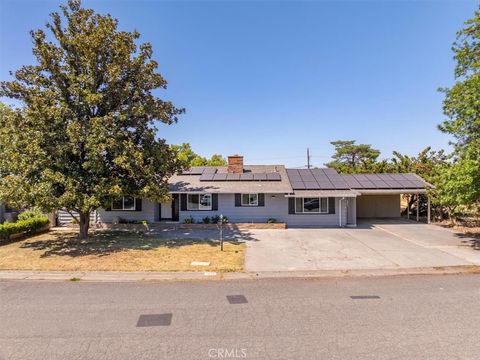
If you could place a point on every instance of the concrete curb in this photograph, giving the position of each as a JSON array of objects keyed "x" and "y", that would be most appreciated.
[{"x": 113, "y": 276}]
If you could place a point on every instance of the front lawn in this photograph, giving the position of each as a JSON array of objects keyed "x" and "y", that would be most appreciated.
[{"x": 119, "y": 251}]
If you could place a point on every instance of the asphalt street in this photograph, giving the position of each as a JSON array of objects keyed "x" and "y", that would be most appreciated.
[{"x": 403, "y": 317}]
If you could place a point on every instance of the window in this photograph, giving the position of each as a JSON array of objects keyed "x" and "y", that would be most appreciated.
[
  {"x": 124, "y": 204},
  {"x": 249, "y": 199},
  {"x": 311, "y": 205},
  {"x": 199, "y": 202}
]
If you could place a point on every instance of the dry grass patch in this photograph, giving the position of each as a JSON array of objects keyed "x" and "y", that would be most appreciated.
[{"x": 119, "y": 251}]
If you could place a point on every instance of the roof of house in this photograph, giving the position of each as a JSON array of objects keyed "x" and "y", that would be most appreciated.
[
  {"x": 216, "y": 179},
  {"x": 301, "y": 182}
]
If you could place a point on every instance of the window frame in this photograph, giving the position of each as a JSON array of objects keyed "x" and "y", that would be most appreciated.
[
  {"x": 312, "y": 212},
  {"x": 123, "y": 204},
  {"x": 200, "y": 206},
  {"x": 249, "y": 203}
]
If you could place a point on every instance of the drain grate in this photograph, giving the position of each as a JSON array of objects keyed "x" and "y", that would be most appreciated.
[
  {"x": 363, "y": 297},
  {"x": 154, "y": 320},
  {"x": 237, "y": 299}
]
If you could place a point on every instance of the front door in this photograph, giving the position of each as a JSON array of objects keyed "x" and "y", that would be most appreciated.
[
  {"x": 170, "y": 211},
  {"x": 166, "y": 211}
]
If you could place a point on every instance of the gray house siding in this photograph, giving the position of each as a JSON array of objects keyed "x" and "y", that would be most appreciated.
[
  {"x": 276, "y": 206},
  {"x": 2, "y": 212},
  {"x": 149, "y": 213},
  {"x": 64, "y": 218}
]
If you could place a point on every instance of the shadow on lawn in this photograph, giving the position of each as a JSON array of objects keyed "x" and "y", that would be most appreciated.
[{"x": 104, "y": 243}]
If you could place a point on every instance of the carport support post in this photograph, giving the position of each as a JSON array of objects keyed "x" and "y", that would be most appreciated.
[
  {"x": 428, "y": 209},
  {"x": 418, "y": 210},
  {"x": 408, "y": 207}
]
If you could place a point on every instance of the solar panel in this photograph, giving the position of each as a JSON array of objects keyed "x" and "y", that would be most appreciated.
[
  {"x": 197, "y": 170},
  {"x": 210, "y": 170},
  {"x": 246, "y": 176},
  {"x": 220, "y": 177},
  {"x": 338, "y": 182},
  {"x": 207, "y": 177},
  {"x": 366, "y": 184},
  {"x": 373, "y": 177},
  {"x": 410, "y": 184},
  {"x": 306, "y": 174},
  {"x": 381, "y": 184},
  {"x": 312, "y": 185},
  {"x": 260, "y": 176},
  {"x": 233, "y": 177},
  {"x": 273, "y": 176},
  {"x": 393, "y": 184},
  {"x": 327, "y": 178},
  {"x": 298, "y": 185}
]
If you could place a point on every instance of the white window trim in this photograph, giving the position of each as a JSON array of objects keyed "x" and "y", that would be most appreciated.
[
  {"x": 123, "y": 205},
  {"x": 249, "y": 204},
  {"x": 312, "y": 212},
  {"x": 200, "y": 206}
]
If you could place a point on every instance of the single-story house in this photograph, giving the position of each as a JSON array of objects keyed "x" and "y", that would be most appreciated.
[{"x": 257, "y": 193}]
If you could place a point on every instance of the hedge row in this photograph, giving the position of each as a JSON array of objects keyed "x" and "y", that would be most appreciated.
[{"x": 27, "y": 226}]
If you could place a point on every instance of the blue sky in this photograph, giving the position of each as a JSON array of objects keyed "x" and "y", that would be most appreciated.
[{"x": 267, "y": 79}]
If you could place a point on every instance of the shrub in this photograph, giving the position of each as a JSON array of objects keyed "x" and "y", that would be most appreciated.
[
  {"x": 189, "y": 220},
  {"x": 206, "y": 220},
  {"x": 27, "y": 226},
  {"x": 216, "y": 219},
  {"x": 31, "y": 213},
  {"x": 271, "y": 221},
  {"x": 127, "y": 221}
]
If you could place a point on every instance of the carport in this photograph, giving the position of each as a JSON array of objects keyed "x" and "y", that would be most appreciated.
[
  {"x": 355, "y": 195},
  {"x": 379, "y": 194},
  {"x": 386, "y": 204}
]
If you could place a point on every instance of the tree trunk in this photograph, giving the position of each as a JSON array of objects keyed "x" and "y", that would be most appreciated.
[
  {"x": 84, "y": 225},
  {"x": 411, "y": 201}
]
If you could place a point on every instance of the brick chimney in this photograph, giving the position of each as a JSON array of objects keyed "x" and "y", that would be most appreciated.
[{"x": 235, "y": 164}]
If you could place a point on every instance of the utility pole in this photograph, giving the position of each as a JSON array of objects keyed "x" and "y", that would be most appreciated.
[{"x": 308, "y": 158}]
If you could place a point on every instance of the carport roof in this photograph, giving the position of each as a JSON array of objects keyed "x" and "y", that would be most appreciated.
[{"x": 329, "y": 179}]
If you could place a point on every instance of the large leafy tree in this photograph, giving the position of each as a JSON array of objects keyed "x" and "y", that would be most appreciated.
[
  {"x": 190, "y": 158},
  {"x": 87, "y": 130},
  {"x": 353, "y": 158},
  {"x": 462, "y": 109},
  {"x": 430, "y": 165}
]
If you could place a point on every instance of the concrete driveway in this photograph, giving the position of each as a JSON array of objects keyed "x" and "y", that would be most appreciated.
[{"x": 372, "y": 245}]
